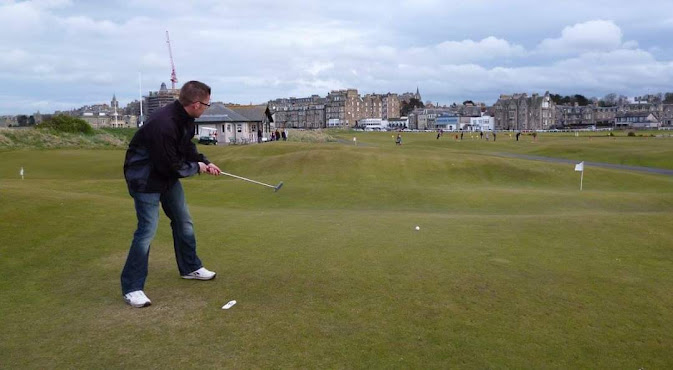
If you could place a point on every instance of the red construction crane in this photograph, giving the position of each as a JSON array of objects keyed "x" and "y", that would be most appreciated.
[{"x": 174, "y": 77}]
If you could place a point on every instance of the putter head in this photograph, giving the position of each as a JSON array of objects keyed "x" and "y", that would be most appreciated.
[{"x": 280, "y": 185}]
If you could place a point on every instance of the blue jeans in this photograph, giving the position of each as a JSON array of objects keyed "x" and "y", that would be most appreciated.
[{"x": 184, "y": 242}]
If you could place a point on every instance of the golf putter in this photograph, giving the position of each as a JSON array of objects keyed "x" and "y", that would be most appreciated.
[{"x": 275, "y": 188}]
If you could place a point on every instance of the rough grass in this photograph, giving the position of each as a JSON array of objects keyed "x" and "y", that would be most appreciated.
[
  {"x": 30, "y": 138},
  {"x": 310, "y": 136},
  {"x": 513, "y": 267}
]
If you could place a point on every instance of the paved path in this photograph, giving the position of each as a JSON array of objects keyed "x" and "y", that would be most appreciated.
[{"x": 659, "y": 171}]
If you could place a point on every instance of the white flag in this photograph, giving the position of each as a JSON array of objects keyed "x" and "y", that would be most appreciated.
[{"x": 580, "y": 167}]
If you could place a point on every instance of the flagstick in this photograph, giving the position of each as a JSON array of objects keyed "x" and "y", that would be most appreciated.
[{"x": 581, "y": 179}]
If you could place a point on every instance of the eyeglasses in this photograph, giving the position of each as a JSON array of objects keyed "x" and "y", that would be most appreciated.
[{"x": 206, "y": 104}]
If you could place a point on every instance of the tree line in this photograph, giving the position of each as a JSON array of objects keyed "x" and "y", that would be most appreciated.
[{"x": 610, "y": 100}]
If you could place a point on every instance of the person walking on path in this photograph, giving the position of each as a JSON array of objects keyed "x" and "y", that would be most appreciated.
[{"x": 160, "y": 153}]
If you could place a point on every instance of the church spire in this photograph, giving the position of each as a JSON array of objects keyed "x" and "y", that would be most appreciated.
[{"x": 114, "y": 103}]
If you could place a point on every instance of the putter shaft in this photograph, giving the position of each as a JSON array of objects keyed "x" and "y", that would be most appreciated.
[{"x": 275, "y": 188}]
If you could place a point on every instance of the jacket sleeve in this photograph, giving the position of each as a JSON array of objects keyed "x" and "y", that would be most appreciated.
[{"x": 194, "y": 155}]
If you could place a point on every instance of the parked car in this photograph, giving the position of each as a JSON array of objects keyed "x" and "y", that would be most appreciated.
[{"x": 207, "y": 140}]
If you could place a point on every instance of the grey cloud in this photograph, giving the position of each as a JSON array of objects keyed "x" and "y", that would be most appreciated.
[{"x": 260, "y": 50}]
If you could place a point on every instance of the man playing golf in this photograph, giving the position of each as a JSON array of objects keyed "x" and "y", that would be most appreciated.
[{"x": 160, "y": 153}]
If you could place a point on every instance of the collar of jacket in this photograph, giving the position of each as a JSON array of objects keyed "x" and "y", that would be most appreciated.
[{"x": 181, "y": 112}]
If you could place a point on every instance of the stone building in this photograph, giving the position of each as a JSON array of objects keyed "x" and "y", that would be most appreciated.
[
  {"x": 426, "y": 118},
  {"x": 390, "y": 106},
  {"x": 372, "y": 106},
  {"x": 519, "y": 112},
  {"x": 157, "y": 99},
  {"x": 343, "y": 108},
  {"x": 304, "y": 113},
  {"x": 406, "y": 97}
]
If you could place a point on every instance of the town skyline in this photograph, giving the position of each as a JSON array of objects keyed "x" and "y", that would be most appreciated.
[{"x": 60, "y": 54}]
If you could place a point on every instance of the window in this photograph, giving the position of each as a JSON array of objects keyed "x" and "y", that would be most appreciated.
[
  {"x": 228, "y": 127},
  {"x": 238, "y": 128}
]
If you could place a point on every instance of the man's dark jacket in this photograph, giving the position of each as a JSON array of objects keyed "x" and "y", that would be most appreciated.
[{"x": 162, "y": 151}]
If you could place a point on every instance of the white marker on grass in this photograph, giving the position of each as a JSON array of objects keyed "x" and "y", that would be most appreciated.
[{"x": 228, "y": 305}]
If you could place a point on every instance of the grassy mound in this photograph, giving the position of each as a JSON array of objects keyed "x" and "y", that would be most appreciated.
[
  {"x": 310, "y": 136},
  {"x": 32, "y": 138}
]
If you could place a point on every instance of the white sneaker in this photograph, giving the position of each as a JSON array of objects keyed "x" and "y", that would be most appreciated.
[
  {"x": 137, "y": 299},
  {"x": 200, "y": 274}
]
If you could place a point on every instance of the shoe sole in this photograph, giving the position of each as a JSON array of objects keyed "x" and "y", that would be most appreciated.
[
  {"x": 146, "y": 304},
  {"x": 188, "y": 277}
]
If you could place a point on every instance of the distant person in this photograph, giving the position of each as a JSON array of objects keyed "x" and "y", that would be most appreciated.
[
  {"x": 461, "y": 136},
  {"x": 160, "y": 153},
  {"x": 494, "y": 136},
  {"x": 284, "y": 135},
  {"x": 534, "y": 135},
  {"x": 259, "y": 135},
  {"x": 277, "y": 135},
  {"x": 517, "y": 136},
  {"x": 481, "y": 134},
  {"x": 439, "y": 133},
  {"x": 398, "y": 139}
]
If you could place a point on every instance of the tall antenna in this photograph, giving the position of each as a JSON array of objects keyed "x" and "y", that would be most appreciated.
[{"x": 174, "y": 77}]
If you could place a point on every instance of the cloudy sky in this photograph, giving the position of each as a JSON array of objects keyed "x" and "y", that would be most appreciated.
[{"x": 62, "y": 54}]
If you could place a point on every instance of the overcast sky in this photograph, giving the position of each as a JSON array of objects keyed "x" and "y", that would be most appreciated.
[{"x": 62, "y": 54}]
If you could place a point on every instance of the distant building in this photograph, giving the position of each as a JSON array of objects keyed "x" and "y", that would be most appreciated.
[
  {"x": 372, "y": 106},
  {"x": 637, "y": 120},
  {"x": 425, "y": 118},
  {"x": 447, "y": 121},
  {"x": 373, "y": 124},
  {"x": 235, "y": 124},
  {"x": 483, "y": 123},
  {"x": 302, "y": 113},
  {"x": 406, "y": 97},
  {"x": 576, "y": 116},
  {"x": 398, "y": 123},
  {"x": 519, "y": 112},
  {"x": 605, "y": 116},
  {"x": 342, "y": 108},
  {"x": 157, "y": 99},
  {"x": 390, "y": 106}
]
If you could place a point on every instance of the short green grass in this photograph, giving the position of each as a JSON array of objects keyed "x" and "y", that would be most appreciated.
[{"x": 513, "y": 266}]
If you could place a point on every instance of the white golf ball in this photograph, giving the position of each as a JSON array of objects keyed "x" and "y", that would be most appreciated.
[{"x": 418, "y": 228}]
